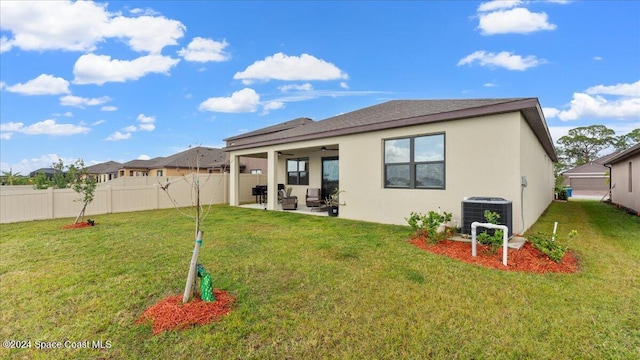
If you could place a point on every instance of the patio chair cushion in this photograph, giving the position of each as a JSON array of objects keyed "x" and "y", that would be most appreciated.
[
  {"x": 288, "y": 202},
  {"x": 313, "y": 197}
]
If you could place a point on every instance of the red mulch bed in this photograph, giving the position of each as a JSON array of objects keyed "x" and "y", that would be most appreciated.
[
  {"x": 170, "y": 314},
  {"x": 527, "y": 258},
  {"x": 78, "y": 225}
]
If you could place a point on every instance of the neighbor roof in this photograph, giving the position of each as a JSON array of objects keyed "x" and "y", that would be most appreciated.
[
  {"x": 208, "y": 157},
  {"x": 400, "y": 113},
  {"x": 623, "y": 155},
  {"x": 104, "y": 168}
]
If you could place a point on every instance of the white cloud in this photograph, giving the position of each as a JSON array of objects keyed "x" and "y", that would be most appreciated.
[
  {"x": 42, "y": 85},
  {"x": 272, "y": 105},
  {"x": 344, "y": 85},
  {"x": 99, "y": 69},
  {"x": 73, "y": 26},
  {"x": 144, "y": 157},
  {"x": 597, "y": 58},
  {"x": 130, "y": 128},
  {"x": 46, "y": 127},
  {"x": 146, "y": 33},
  {"x": 502, "y": 59},
  {"x": 108, "y": 108},
  {"x": 5, "y": 44},
  {"x": 298, "y": 87},
  {"x": 77, "y": 101},
  {"x": 490, "y": 84},
  {"x": 585, "y": 105},
  {"x": 80, "y": 25},
  {"x": 6, "y": 136},
  {"x": 245, "y": 100},
  {"x": 618, "y": 89},
  {"x": 205, "y": 50},
  {"x": 99, "y": 122},
  {"x": 550, "y": 112},
  {"x": 290, "y": 68},
  {"x": 518, "y": 20},
  {"x": 117, "y": 136},
  {"x": 147, "y": 123},
  {"x": 498, "y": 4},
  {"x": 147, "y": 11}
]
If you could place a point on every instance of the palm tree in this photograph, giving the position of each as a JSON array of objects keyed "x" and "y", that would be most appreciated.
[{"x": 9, "y": 176}]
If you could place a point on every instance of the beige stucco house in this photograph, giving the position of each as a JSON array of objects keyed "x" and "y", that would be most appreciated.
[
  {"x": 625, "y": 178},
  {"x": 411, "y": 155}
]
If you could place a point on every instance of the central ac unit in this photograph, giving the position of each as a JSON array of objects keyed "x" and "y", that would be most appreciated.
[{"x": 473, "y": 210}]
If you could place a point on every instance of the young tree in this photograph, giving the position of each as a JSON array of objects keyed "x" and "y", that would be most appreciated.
[
  {"x": 60, "y": 177},
  {"x": 83, "y": 184},
  {"x": 8, "y": 177},
  {"x": 582, "y": 144}
]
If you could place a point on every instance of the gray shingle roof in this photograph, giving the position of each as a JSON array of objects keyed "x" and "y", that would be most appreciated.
[
  {"x": 400, "y": 113},
  {"x": 104, "y": 168},
  {"x": 208, "y": 157},
  {"x": 623, "y": 155}
]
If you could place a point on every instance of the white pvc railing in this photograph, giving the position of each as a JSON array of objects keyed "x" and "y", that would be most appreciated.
[{"x": 504, "y": 229}]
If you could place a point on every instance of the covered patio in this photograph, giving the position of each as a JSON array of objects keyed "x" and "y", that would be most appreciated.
[{"x": 295, "y": 168}]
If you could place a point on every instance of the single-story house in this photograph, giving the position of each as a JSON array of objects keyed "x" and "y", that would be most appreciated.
[
  {"x": 207, "y": 160},
  {"x": 406, "y": 156},
  {"x": 49, "y": 173},
  {"x": 592, "y": 176},
  {"x": 105, "y": 171},
  {"x": 625, "y": 178}
]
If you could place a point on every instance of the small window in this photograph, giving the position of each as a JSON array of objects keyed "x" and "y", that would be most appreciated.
[
  {"x": 415, "y": 163},
  {"x": 298, "y": 171},
  {"x": 158, "y": 172},
  {"x": 130, "y": 172},
  {"x": 256, "y": 171}
]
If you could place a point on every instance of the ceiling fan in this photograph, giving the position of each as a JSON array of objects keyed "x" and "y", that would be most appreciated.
[{"x": 281, "y": 153}]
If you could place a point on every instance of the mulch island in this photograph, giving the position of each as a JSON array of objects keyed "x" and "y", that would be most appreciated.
[
  {"x": 171, "y": 314},
  {"x": 79, "y": 225},
  {"x": 526, "y": 259}
]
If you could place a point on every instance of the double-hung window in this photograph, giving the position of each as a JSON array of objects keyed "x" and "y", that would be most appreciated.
[
  {"x": 298, "y": 171},
  {"x": 416, "y": 162}
]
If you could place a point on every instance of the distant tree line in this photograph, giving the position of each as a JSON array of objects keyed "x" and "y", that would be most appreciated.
[{"x": 585, "y": 144}]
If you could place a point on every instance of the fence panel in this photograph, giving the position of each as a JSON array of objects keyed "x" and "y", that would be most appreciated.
[{"x": 122, "y": 195}]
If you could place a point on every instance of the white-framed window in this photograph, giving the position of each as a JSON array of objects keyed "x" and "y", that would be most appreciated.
[
  {"x": 416, "y": 162},
  {"x": 159, "y": 173},
  {"x": 256, "y": 171}
]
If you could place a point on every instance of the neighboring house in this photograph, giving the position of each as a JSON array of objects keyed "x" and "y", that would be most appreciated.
[
  {"x": 48, "y": 173},
  {"x": 104, "y": 171},
  {"x": 204, "y": 159},
  {"x": 625, "y": 178},
  {"x": 593, "y": 176},
  {"x": 411, "y": 155}
]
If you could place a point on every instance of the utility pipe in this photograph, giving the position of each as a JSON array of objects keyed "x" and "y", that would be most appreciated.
[
  {"x": 505, "y": 231},
  {"x": 191, "y": 277}
]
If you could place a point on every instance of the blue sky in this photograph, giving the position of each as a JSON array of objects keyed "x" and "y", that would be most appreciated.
[{"x": 132, "y": 80}]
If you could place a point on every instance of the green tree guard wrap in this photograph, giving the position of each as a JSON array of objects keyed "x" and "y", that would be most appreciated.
[{"x": 206, "y": 286}]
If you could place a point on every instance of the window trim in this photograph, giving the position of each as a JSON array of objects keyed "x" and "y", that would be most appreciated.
[
  {"x": 298, "y": 160},
  {"x": 414, "y": 164}
]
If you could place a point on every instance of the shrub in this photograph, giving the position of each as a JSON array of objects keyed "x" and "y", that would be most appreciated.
[
  {"x": 427, "y": 225},
  {"x": 493, "y": 241},
  {"x": 554, "y": 249}
]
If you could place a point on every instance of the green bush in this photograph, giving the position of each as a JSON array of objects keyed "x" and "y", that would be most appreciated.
[
  {"x": 554, "y": 249},
  {"x": 493, "y": 241},
  {"x": 427, "y": 225}
]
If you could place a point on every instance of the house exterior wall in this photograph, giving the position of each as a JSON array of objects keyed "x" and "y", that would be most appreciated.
[
  {"x": 538, "y": 168},
  {"x": 620, "y": 194},
  {"x": 481, "y": 159}
]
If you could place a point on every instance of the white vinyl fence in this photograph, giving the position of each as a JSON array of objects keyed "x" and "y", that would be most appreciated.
[{"x": 121, "y": 195}]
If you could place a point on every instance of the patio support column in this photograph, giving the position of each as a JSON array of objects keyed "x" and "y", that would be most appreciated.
[
  {"x": 272, "y": 180},
  {"x": 234, "y": 180}
]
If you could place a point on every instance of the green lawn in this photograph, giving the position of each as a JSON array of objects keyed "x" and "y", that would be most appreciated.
[{"x": 316, "y": 287}]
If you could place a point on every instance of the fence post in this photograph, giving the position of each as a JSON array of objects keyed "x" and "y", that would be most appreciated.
[
  {"x": 109, "y": 200},
  {"x": 51, "y": 208}
]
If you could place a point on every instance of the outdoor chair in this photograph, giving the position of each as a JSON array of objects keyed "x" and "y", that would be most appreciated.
[
  {"x": 313, "y": 198},
  {"x": 288, "y": 202}
]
